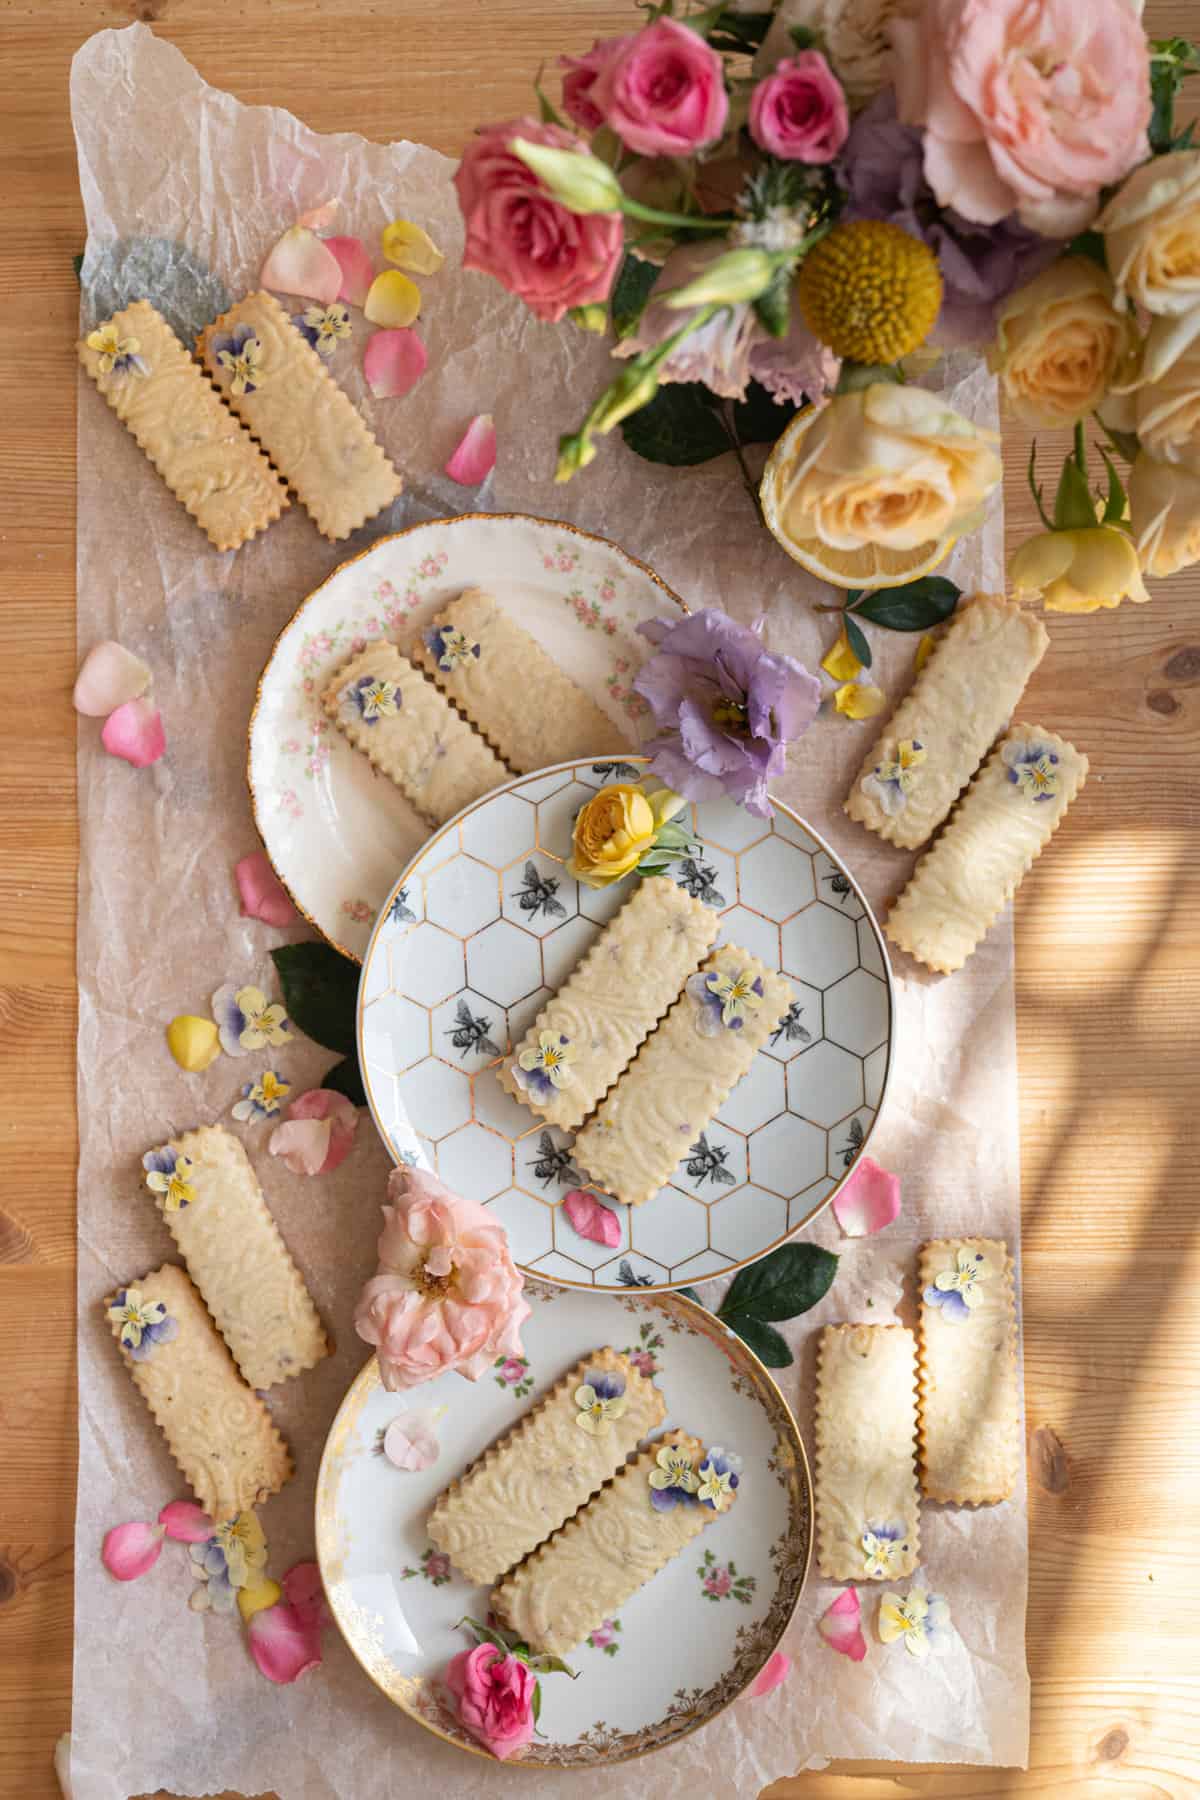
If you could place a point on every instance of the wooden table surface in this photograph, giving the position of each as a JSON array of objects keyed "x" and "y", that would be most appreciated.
[{"x": 1108, "y": 961}]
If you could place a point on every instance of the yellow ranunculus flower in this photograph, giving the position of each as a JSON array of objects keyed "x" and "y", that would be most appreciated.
[
  {"x": 1078, "y": 571},
  {"x": 1059, "y": 341},
  {"x": 1151, "y": 230},
  {"x": 615, "y": 829},
  {"x": 1164, "y": 506}
]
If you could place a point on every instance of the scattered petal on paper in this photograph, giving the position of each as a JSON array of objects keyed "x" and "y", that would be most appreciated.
[
  {"x": 841, "y": 1626},
  {"x": 475, "y": 457},
  {"x": 134, "y": 732},
  {"x": 131, "y": 1550},
  {"x": 301, "y": 263},
  {"x": 355, "y": 264},
  {"x": 868, "y": 1200},
  {"x": 591, "y": 1218},
  {"x": 263, "y": 894},
  {"x": 393, "y": 363},
  {"x": 109, "y": 676}
]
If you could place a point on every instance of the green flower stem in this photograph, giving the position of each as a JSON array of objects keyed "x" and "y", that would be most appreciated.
[
  {"x": 1080, "y": 447},
  {"x": 650, "y": 215}
]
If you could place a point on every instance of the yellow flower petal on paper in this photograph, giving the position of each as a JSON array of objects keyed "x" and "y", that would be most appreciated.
[
  {"x": 406, "y": 245},
  {"x": 857, "y": 700},
  {"x": 193, "y": 1042},
  {"x": 840, "y": 662},
  {"x": 924, "y": 651},
  {"x": 392, "y": 301},
  {"x": 256, "y": 1599}
]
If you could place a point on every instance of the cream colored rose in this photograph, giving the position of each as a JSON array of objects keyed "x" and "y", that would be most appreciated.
[
  {"x": 1164, "y": 510},
  {"x": 1151, "y": 230},
  {"x": 888, "y": 466},
  {"x": 854, "y": 34},
  {"x": 1059, "y": 342},
  {"x": 1160, "y": 398}
]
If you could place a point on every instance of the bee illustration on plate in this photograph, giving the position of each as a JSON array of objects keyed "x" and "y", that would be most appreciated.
[
  {"x": 789, "y": 1027},
  {"x": 706, "y": 1162},
  {"x": 617, "y": 771},
  {"x": 839, "y": 884},
  {"x": 553, "y": 1163},
  {"x": 400, "y": 912},
  {"x": 469, "y": 1033},
  {"x": 699, "y": 879},
  {"x": 855, "y": 1136},
  {"x": 536, "y": 895},
  {"x": 627, "y": 1278}
]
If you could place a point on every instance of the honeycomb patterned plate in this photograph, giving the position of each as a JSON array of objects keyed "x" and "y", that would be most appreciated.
[{"x": 485, "y": 923}]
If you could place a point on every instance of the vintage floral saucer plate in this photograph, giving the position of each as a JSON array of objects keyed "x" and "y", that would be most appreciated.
[
  {"x": 335, "y": 829},
  {"x": 686, "y": 1645},
  {"x": 485, "y": 923}
]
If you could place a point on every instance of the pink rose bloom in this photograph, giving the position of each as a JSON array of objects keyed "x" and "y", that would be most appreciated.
[
  {"x": 799, "y": 112},
  {"x": 551, "y": 258},
  {"x": 494, "y": 1695},
  {"x": 580, "y": 79},
  {"x": 663, "y": 91},
  {"x": 513, "y": 1370},
  {"x": 718, "y": 1583},
  {"x": 446, "y": 1295},
  {"x": 1032, "y": 108}
]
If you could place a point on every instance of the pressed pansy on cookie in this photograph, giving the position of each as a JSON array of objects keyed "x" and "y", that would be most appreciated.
[
  {"x": 144, "y": 1323},
  {"x": 884, "y": 1543},
  {"x": 239, "y": 353},
  {"x": 261, "y": 1099},
  {"x": 920, "y": 1618},
  {"x": 956, "y": 1290},
  {"x": 374, "y": 698},
  {"x": 324, "y": 326},
  {"x": 248, "y": 1021},
  {"x": 168, "y": 1173},
  {"x": 891, "y": 781},
  {"x": 720, "y": 1473},
  {"x": 724, "y": 998},
  {"x": 1032, "y": 768},
  {"x": 118, "y": 355},
  {"x": 600, "y": 1399},
  {"x": 545, "y": 1065},
  {"x": 673, "y": 1478},
  {"x": 449, "y": 647}
]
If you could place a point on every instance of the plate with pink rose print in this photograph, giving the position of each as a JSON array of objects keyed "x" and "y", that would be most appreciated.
[
  {"x": 486, "y": 922},
  {"x": 335, "y": 829},
  {"x": 674, "y": 1654}
]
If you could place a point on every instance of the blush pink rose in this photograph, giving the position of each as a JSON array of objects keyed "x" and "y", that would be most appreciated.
[
  {"x": 799, "y": 112},
  {"x": 579, "y": 78},
  {"x": 1032, "y": 108},
  {"x": 494, "y": 1696},
  {"x": 551, "y": 258},
  {"x": 447, "y": 1295},
  {"x": 662, "y": 91}
]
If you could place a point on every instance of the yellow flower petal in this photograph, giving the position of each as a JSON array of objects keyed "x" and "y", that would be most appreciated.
[
  {"x": 857, "y": 700},
  {"x": 1041, "y": 560},
  {"x": 256, "y": 1599},
  {"x": 392, "y": 301},
  {"x": 406, "y": 245},
  {"x": 840, "y": 662},
  {"x": 193, "y": 1042},
  {"x": 924, "y": 651},
  {"x": 892, "y": 1623}
]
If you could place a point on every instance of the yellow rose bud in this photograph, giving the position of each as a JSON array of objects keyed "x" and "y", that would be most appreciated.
[
  {"x": 194, "y": 1043},
  {"x": 613, "y": 831},
  {"x": 1151, "y": 230},
  {"x": 1078, "y": 571},
  {"x": 858, "y": 700},
  {"x": 258, "y": 1598},
  {"x": 1059, "y": 342},
  {"x": 1164, "y": 505}
]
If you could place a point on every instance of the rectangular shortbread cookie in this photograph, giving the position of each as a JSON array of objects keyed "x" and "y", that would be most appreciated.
[
  {"x": 400, "y": 722},
  {"x": 528, "y": 710},
  {"x": 1001, "y": 826},
  {"x": 868, "y": 1528},
  {"x": 679, "y": 1079},
  {"x": 601, "y": 1557},
  {"x": 240, "y": 1263},
  {"x": 538, "y": 1474},
  {"x": 217, "y": 1429},
  {"x": 944, "y": 727},
  {"x": 308, "y": 427},
  {"x": 614, "y": 996},
  {"x": 211, "y": 465},
  {"x": 970, "y": 1418}
]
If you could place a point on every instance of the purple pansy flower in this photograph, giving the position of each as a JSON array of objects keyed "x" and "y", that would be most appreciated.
[
  {"x": 724, "y": 999},
  {"x": 144, "y": 1323},
  {"x": 882, "y": 169},
  {"x": 956, "y": 1290},
  {"x": 719, "y": 1477},
  {"x": 673, "y": 1479},
  {"x": 239, "y": 353},
  {"x": 374, "y": 698},
  {"x": 1033, "y": 768},
  {"x": 726, "y": 708},
  {"x": 449, "y": 647},
  {"x": 546, "y": 1066}
]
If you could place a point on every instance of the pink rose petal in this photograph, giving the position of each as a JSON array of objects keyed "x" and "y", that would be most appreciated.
[
  {"x": 135, "y": 733},
  {"x": 186, "y": 1522},
  {"x": 304, "y": 1592},
  {"x": 303, "y": 1144},
  {"x": 320, "y": 218},
  {"x": 301, "y": 264},
  {"x": 355, "y": 264},
  {"x": 130, "y": 1550},
  {"x": 109, "y": 676},
  {"x": 841, "y": 1626},
  {"x": 318, "y": 1134},
  {"x": 393, "y": 363},
  {"x": 263, "y": 894},
  {"x": 774, "y": 1672},
  {"x": 592, "y": 1220},
  {"x": 410, "y": 1443},
  {"x": 475, "y": 456},
  {"x": 868, "y": 1200},
  {"x": 284, "y": 1645}
]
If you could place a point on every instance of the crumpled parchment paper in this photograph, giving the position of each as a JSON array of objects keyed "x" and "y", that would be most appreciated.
[{"x": 185, "y": 190}]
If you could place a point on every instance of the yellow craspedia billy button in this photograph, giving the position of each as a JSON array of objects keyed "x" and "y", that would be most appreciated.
[{"x": 870, "y": 291}]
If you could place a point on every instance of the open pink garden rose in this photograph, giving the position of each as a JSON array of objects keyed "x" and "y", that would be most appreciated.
[
  {"x": 494, "y": 1697},
  {"x": 447, "y": 1294}
]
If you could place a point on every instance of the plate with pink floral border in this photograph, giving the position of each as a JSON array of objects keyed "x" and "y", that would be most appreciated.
[
  {"x": 640, "y": 1685},
  {"x": 338, "y": 832}
]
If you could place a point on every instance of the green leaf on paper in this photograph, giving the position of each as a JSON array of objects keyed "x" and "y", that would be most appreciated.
[
  {"x": 856, "y": 637},
  {"x": 786, "y": 1283},
  {"x": 768, "y": 1345},
  {"x": 917, "y": 606},
  {"x": 320, "y": 992},
  {"x": 630, "y": 293},
  {"x": 345, "y": 1077},
  {"x": 689, "y": 1293},
  {"x": 759, "y": 418},
  {"x": 680, "y": 427}
]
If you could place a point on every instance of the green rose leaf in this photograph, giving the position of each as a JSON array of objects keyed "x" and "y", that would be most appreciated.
[
  {"x": 760, "y": 419},
  {"x": 630, "y": 293},
  {"x": 689, "y": 1293},
  {"x": 551, "y": 1665},
  {"x": 345, "y": 1077},
  {"x": 320, "y": 992},
  {"x": 766, "y": 1343},
  {"x": 917, "y": 606},
  {"x": 857, "y": 640},
  {"x": 788, "y": 1282},
  {"x": 537, "y": 1701},
  {"x": 679, "y": 427}
]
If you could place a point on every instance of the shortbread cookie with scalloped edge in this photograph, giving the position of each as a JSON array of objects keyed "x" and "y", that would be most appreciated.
[
  {"x": 217, "y": 1429},
  {"x": 1000, "y": 827},
  {"x": 944, "y": 727},
  {"x": 411, "y": 733},
  {"x": 308, "y": 427},
  {"x": 238, "y": 1260},
  {"x": 601, "y": 1557},
  {"x": 553, "y": 1460},
  {"x": 970, "y": 1398},
  {"x": 868, "y": 1525},
  {"x": 530, "y": 712},
  {"x": 682, "y": 1075},
  {"x": 210, "y": 463},
  {"x": 612, "y": 999}
]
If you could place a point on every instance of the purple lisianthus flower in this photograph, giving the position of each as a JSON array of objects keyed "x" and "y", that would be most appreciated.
[
  {"x": 882, "y": 170},
  {"x": 726, "y": 708}
]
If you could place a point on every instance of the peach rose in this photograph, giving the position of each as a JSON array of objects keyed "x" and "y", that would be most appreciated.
[
  {"x": 1160, "y": 399},
  {"x": 1026, "y": 107},
  {"x": 1164, "y": 509},
  {"x": 1059, "y": 341},
  {"x": 1151, "y": 230},
  {"x": 446, "y": 1295}
]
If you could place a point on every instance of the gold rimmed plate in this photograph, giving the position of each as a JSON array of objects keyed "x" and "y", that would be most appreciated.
[{"x": 686, "y": 1645}]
